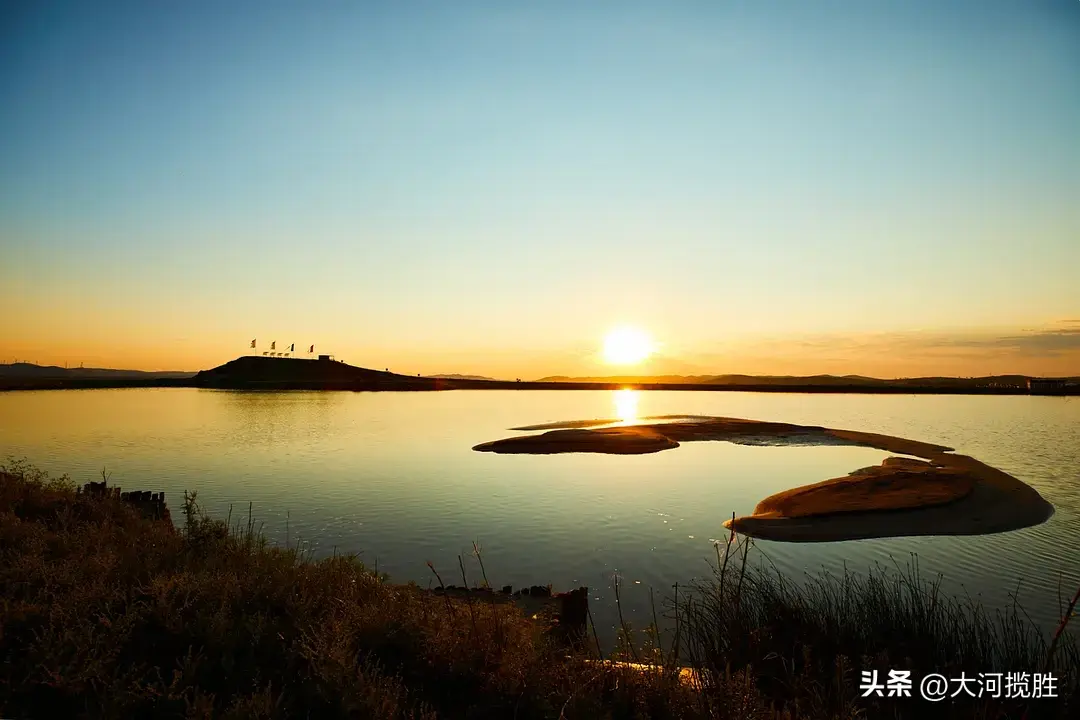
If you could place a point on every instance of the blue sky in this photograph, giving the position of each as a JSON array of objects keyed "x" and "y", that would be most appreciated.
[{"x": 491, "y": 188}]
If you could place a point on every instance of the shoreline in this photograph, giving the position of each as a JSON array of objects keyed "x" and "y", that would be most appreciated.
[
  {"x": 438, "y": 384},
  {"x": 117, "y": 612}
]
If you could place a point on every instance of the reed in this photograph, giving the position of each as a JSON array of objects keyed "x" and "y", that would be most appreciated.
[{"x": 806, "y": 643}]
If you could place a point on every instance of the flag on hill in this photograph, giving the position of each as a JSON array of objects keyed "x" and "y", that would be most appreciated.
[
  {"x": 273, "y": 345},
  {"x": 292, "y": 347},
  {"x": 252, "y": 343},
  {"x": 311, "y": 349}
]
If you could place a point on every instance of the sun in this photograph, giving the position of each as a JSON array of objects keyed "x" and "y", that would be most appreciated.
[{"x": 627, "y": 345}]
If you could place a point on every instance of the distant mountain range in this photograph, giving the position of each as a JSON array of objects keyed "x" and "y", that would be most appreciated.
[
  {"x": 808, "y": 380},
  {"x": 254, "y": 372},
  {"x": 30, "y": 370}
]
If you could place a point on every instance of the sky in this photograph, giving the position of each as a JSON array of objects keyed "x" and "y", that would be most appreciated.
[{"x": 769, "y": 187}]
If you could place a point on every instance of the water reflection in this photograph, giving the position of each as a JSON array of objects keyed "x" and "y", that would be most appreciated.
[
  {"x": 626, "y": 405},
  {"x": 393, "y": 475},
  {"x": 275, "y": 419}
]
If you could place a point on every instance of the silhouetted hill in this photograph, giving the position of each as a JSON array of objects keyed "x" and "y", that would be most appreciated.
[
  {"x": 794, "y": 379},
  {"x": 718, "y": 379},
  {"x": 277, "y": 373},
  {"x": 814, "y": 381},
  {"x": 30, "y": 370},
  {"x": 271, "y": 372},
  {"x": 664, "y": 379}
]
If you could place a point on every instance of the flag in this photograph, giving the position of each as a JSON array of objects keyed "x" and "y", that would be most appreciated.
[
  {"x": 273, "y": 345},
  {"x": 292, "y": 347},
  {"x": 252, "y": 343},
  {"x": 311, "y": 349}
]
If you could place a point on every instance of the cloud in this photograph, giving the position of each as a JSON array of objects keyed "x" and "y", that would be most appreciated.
[
  {"x": 1039, "y": 342},
  {"x": 1052, "y": 350},
  {"x": 1047, "y": 341}
]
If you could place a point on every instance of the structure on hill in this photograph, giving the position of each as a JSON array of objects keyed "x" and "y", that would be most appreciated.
[{"x": 1046, "y": 386}]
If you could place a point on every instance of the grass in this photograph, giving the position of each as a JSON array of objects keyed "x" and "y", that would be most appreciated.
[
  {"x": 104, "y": 613},
  {"x": 810, "y": 642}
]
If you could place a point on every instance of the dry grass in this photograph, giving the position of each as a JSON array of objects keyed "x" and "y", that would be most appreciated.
[
  {"x": 106, "y": 614},
  {"x": 806, "y": 644}
]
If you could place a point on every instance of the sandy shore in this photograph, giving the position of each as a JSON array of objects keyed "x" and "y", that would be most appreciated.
[{"x": 941, "y": 494}]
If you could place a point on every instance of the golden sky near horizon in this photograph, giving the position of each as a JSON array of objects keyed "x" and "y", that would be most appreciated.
[{"x": 1048, "y": 351}]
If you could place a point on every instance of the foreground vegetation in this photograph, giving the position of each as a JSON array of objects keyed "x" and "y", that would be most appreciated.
[{"x": 107, "y": 614}]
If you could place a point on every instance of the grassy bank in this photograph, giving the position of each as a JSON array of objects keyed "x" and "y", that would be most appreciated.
[
  {"x": 809, "y": 643},
  {"x": 108, "y": 614}
]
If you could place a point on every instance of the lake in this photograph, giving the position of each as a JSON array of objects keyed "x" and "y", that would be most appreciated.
[{"x": 393, "y": 476}]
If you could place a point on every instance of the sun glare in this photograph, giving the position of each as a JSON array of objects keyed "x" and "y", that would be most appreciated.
[
  {"x": 626, "y": 405},
  {"x": 626, "y": 346}
]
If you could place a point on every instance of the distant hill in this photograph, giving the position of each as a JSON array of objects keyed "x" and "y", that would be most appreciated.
[
  {"x": 714, "y": 379},
  {"x": 279, "y": 373},
  {"x": 808, "y": 381},
  {"x": 667, "y": 379},
  {"x": 30, "y": 370},
  {"x": 269, "y": 372}
]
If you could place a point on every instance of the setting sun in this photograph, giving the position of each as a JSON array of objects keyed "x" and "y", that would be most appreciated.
[{"x": 626, "y": 346}]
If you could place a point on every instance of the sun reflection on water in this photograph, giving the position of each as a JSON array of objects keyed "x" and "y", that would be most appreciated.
[{"x": 626, "y": 405}]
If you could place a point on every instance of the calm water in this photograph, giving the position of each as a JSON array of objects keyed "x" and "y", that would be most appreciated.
[{"x": 392, "y": 476}]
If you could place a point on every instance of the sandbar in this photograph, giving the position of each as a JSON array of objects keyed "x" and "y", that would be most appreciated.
[
  {"x": 942, "y": 493},
  {"x": 622, "y": 440}
]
